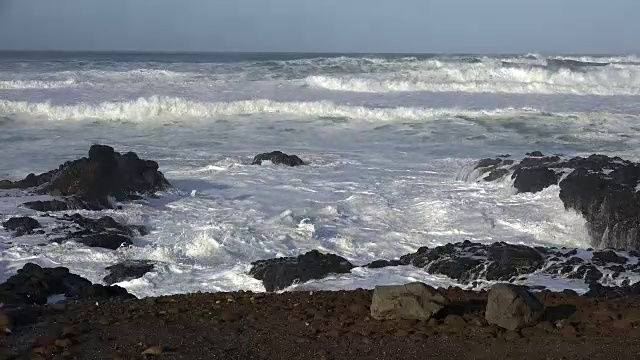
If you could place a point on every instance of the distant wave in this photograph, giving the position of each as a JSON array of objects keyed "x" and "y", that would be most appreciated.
[
  {"x": 492, "y": 77},
  {"x": 170, "y": 108},
  {"x": 38, "y": 84}
]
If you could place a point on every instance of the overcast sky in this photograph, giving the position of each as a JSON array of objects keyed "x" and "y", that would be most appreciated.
[{"x": 471, "y": 26}]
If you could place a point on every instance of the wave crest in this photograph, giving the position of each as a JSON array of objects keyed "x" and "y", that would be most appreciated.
[{"x": 169, "y": 108}]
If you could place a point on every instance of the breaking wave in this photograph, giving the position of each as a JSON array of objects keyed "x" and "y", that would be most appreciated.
[
  {"x": 38, "y": 84},
  {"x": 149, "y": 109},
  {"x": 491, "y": 77}
]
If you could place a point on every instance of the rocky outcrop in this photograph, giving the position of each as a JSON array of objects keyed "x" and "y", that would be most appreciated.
[
  {"x": 127, "y": 270},
  {"x": 34, "y": 284},
  {"x": 414, "y": 301},
  {"x": 472, "y": 264},
  {"x": 21, "y": 225},
  {"x": 512, "y": 307},
  {"x": 278, "y": 158},
  {"x": 602, "y": 188},
  {"x": 103, "y": 232},
  {"x": 88, "y": 183},
  {"x": 277, "y": 274}
]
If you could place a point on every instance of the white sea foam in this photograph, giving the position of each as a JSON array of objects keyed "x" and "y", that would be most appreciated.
[
  {"x": 490, "y": 78},
  {"x": 157, "y": 107},
  {"x": 384, "y": 159},
  {"x": 39, "y": 84}
]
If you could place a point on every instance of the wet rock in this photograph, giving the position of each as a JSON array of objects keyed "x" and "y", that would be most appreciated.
[
  {"x": 69, "y": 203},
  {"x": 413, "y": 301},
  {"x": 21, "y": 225},
  {"x": 608, "y": 256},
  {"x": 512, "y": 260},
  {"x": 535, "y": 154},
  {"x": 34, "y": 284},
  {"x": 378, "y": 264},
  {"x": 277, "y": 274},
  {"x": 89, "y": 182},
  {"x": 277, "y": 158},
  {"x": 512, "y": 307},
  {"x": 103, "y": 232},
  {"x": 532, "y": 180},
  {"x": 128, "y": 270}
]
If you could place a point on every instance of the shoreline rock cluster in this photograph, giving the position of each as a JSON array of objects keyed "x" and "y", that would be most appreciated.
[{"x": 603, "y": 189}]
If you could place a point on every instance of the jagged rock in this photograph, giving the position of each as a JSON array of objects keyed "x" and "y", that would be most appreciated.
[
  {"x": 601, "y": 188},
  {"x": 512, "y": 260},
  {"x": 608, "y": 256},
  {"x": 533, "y": 180},
  {"x": 34, "y": 284},
  {"x": 512, "y": 307},
  {"x": 104, "y": 232},
  {"x": 277, "y": 274},
  {"x": 128, "y": 270},
  {"x": 91, "y": 181},
  {"x": 413, "y": 301},
  {"x": 277, "y": 158},
  {"x": 69, "y": 203},
  {"x": 378, "y": 264},
  {"x": 598, "y": 290},
  {"x": 21, "y": 225}
]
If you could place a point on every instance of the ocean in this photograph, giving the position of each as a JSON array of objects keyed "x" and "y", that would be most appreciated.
[{"x": 390, "y": 140}]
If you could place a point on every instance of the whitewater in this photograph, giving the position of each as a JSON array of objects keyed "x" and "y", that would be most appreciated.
[{"x": 389, "y": 140}]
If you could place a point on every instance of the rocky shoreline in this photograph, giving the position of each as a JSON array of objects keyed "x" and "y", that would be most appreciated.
[
  {"x": 318, "y": 325},
  {"x": 104, "y": 321}
]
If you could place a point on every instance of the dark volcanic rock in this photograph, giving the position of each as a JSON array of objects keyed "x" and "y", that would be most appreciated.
[
  {"x": 378, "y": 264},
  {"x": 91, "y": 181},
  {"x": 608, "y": 256},
  {"x": 510, "y": 260},
  {"x": 70, "y": 203},
  {"x": 601, "y": 188},
  {"x": 534, "y": 179},
  {"x": 127, "y": 270},
  {"x": 33, "y": 285},
  {"x": 277, "y": 158},
  {"x": 277, "y": 274},
  {"x": 21, "y": 225},
  {"x": 104, "y": 232}
]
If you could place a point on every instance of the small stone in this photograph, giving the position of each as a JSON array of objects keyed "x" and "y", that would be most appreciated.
[
  {"x": 43, "y": 341},
  {"x": 568, "y": 331},
  {"x": 512, "y": 335},
  {"x": 455, "y": 321},
  {"x": 150, "y": 301},
  {"x": 432, "y": 322},
  {"x": 153, "y": 351},
  {"x": 6, "y": 324},
  {"x": 63, "y": 343},
  {"x": 546, "y": 326}
]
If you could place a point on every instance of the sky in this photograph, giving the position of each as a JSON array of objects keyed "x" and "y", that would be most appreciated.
[{"x": 405, "y": 26}]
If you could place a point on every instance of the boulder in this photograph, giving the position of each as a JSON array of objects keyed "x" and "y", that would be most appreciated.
[
  {"x": 103, "y": 232},
  {"x": 34, "y": 284},
  {"x": 413, "y": 301},
  {"x": 510, "y": 260},
  {"x": 277, "y": 274},
  {"x": 608, "y": 257},
  {"x": 277, "y": 158},
  {"x": 21, "y": 225},
  {"x": 91, "y": 181},
  {"x": 128, "y": 270},
  {"x": 512, "y": 307},
  {"x": 532, "y": 180}
]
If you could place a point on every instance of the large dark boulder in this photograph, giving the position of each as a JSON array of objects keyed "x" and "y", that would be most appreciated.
[
  {"x": 277, "y": 274},
  {"x": 277, "y": 158},
  {"x": 127, "y": 270},
  {"x": 34, "y": 284},
  {"x": 91, "y": 181},
  {"x": 21, "y": 225}
]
